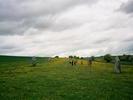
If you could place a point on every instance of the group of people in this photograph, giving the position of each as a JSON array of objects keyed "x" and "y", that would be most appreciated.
[
  {"x": 117, "y": 67},
  {"x": 74, "y": 61}
]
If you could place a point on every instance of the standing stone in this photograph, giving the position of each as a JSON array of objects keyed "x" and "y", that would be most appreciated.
[
  {"x": 117, "y": 68},
  {"x": 34, "y": 61},
  {"x": 49, "y": 59}
]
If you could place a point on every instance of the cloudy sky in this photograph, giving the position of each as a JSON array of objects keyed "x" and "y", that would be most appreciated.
[{"x": 66, "y": 27}]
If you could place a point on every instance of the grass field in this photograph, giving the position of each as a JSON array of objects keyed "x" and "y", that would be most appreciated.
[{"x": 58, "y": 80}]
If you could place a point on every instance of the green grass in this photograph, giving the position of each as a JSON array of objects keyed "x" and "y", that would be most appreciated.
[{"x": 58, "y": 80}]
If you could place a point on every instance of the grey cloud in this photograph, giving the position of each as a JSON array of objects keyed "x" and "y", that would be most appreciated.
[
  {"x": 67, "y": 44},
  {"x": 127, "y": 7},
  {"x": 11, "y": 27},
  {"x": 104, "y": 40},
  {"x": 16, "y": 10},
  {"x": 128, "y": 39},
  {"x": 8, "y": 48},
  {"x": 55, "y": 27},
  {"x": 17, "y": 16},
  {"x": 127, "y": 48}
]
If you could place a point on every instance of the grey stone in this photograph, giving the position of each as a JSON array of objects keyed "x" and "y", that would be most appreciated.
[
  {"x": 34, "y": 61},
  {"x": 117, "y": 67}
]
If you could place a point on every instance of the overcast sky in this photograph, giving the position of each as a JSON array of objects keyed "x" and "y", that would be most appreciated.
[{"x": 66, "y": 27}]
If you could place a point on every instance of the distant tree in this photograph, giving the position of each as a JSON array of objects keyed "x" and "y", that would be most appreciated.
[
  {"x": 108, "y": 58},
  {"x": 70, "y": 56},
  {"x": 77, "y": 57},
  {"x": 93, "y": 58},
  {"x": 82, "y": 57},
  {"x": 123, "y": 57},
  {"x": 74, "y": 57},
  {"x": 56, "y": 56},
  {"x": 130, "y": 58}
]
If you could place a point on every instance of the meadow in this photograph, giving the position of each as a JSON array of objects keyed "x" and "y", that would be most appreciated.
[{"x": 58, "y": 80}]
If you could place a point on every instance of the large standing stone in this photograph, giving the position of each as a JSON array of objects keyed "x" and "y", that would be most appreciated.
[
  {"x": 117, "y": 68},
  {"x": 49, "y": 59}
]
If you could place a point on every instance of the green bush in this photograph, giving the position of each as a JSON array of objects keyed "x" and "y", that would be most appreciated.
[
  {"x": 108, "y": 58},
  {"x": 93, "y": 58},
  {"x": 56, "y": 56},
  {"x": 128, "y": 58}
]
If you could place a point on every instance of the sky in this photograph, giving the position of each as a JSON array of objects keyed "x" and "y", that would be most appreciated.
[{"x": 66, "y": 27}]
